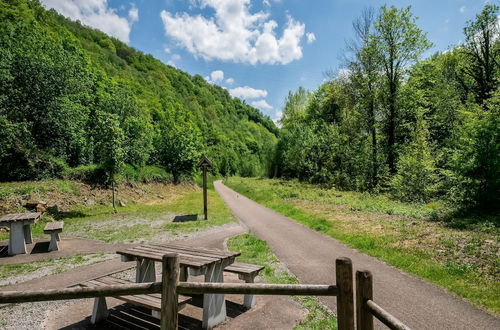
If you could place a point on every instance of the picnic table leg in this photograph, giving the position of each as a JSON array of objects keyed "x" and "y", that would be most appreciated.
[
  {"x": 17, "y": 245},
  {"x": 214, "y": 305},
  {"x": 100, "y": 310},
  {"x": 27, "y": 234},
  {"x": 145, "y": 271}
]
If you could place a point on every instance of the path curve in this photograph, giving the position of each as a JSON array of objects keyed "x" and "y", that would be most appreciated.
[{"x": 310, "y": 256}]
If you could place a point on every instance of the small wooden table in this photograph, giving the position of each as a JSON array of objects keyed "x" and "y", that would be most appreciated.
[
  {"x": 192, "y": 260},
  {"x": 19, "y": 230}
]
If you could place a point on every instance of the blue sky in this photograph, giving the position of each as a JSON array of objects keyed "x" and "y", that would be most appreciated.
[{"x": 257, "y": 49}]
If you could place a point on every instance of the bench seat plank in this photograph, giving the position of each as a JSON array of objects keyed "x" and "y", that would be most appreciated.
[
  {"x": 244, "y": 269},
  {"x": 152, "y": 301},
  {"x": 53, "y": 226}
]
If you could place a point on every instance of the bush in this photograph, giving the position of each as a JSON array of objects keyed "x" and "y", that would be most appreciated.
[
  {"x": 92, "y": 174},
  {"x": 146, "y": 174},
  {"x": 154, "y": 174}
]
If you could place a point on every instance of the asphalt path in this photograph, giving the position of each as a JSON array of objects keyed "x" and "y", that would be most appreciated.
[{"x": 310, "y": 256}]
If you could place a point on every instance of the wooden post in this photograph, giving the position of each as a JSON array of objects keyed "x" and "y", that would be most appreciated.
[
  {"x": 364, "y": 292},
  {"x": 169, "y": 296},
  {"x": 205, "y": 211},
  {"x": 113, "y": 188},
  {"x": 205, "y": 164},
  {"x": 345, "y": 298}
]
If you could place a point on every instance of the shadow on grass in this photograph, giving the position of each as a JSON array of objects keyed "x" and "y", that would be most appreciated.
[
  {"x": 185, "y": 218},
  {"x": 70, "y": 214}
]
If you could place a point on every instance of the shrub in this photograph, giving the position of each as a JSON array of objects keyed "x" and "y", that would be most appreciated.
[{"x": 93, "y": 174}]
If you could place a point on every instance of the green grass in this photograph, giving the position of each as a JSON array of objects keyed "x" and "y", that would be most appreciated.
[
  {"x": 9, "y": 189},
  {"x": 457, "y": 261},
  {"x": 139, "y": 221},
  {"x": 256, "y": 251}
]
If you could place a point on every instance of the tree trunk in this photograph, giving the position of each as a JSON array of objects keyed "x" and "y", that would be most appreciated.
[{"x": 391, "y": 157}]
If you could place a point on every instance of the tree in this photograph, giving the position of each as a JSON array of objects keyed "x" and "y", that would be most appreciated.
[
  {"x": 295, "y": 106},
  {"x": 416, "y": 178},
  {"x": 364, "y": 69},
  {"x": 399, "y": 42},
  {"x": 482, "y": 49},
  {"x": 109, "y": 147}
]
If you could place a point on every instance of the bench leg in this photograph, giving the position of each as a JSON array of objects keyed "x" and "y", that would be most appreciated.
[
  {"x": 17, "y": 245},
  {"x": 214, "y": 305},
  {"x": 145, "y": 271},
  {"x": 183, "y": 274},
  {"x": 248, "y": 299},
  {"x": 100, "y": 310},
  {"x": 27, "y": 234},
  {"x": 53, "y": 246}
]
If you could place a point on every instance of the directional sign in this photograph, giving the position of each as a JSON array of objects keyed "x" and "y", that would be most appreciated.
[{"x": 204, "y": 162}]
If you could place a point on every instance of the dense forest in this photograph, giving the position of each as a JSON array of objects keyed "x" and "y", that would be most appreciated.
[
  {"x": 75, "y": 102},
  {"x": 421, "y": 129}
]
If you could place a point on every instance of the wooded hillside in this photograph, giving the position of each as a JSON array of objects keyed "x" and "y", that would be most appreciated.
[{"x": 73, "y": 97}]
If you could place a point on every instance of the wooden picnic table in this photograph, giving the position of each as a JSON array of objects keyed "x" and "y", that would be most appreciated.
[
  {"x": 193, "y": 261},
  {"x": 19, "y": 230}
]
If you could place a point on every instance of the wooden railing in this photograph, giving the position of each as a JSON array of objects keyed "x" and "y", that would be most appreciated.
[
  {"x": 366, "y": 308},
  {"x": 170, "y": 288}
]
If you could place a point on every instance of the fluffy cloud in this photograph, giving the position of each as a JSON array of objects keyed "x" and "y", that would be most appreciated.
[
  {"x": 97, "y": 14},
  {"x": 133, "y": 14},
  {"x": 229, "y": 81},
  {"x": 462, "y": 9},
  {"x": 310, "y": 37},
  {"x": 248, "y": 92},
  {"x": 217, "y": 75},
  {"x": 235, "y": 34},
  {"x": 262, "y": 104}
]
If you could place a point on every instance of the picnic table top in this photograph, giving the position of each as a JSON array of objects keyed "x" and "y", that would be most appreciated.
[
  {"x": 12, "y": 217},
  {"x": 194, "y": 257}
]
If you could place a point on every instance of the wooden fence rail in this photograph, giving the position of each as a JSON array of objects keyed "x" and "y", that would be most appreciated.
[
  {"x": 170, "y": 288},
  {"x": 366, "y": 308}
]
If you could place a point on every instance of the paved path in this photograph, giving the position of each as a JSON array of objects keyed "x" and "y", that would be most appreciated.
[{"x": 311, "y": 257}]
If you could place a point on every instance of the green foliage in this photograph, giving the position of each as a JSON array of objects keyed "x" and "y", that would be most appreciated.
[
  {"x": 423, "y": 130},
  {"x": 72, "y": 96},
  {"x": 416, "y": 176},
  {"x": 146, "y": 174}
]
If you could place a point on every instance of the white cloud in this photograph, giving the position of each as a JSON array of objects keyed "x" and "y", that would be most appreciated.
[
  {"x": 170, "y": 62},
  {"x": 167, "y": 50},
  {"x": 310, "y": 37},
  {"x": 462, "y": 9},
  {"x": 230, "y": 81},
  {"x": 176, "y": 57},
  {"x": 262, "y": 104},
  {"x": 133, "y": 14},
  {"x": 97, "y": 14},
  {"x": 248, "y": 92},
  {"x": 235, "y": 34},
  {"x": 217, "y": 75}
]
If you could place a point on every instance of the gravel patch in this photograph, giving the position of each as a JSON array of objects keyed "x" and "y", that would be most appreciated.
[{"x": 51, "y": 267}]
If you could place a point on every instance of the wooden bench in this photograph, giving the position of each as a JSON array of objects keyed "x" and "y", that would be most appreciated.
[
  {"x": 246, "y": 272},
  {"x": 151, "y": 301},
  {"x": 54, "y": 229}
]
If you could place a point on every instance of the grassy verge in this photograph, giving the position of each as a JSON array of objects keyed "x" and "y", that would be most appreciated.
[
  {"x": 148, "y": 213},
  {"x": 464, "y": 261},
  {"x": 256, "y": 251}
]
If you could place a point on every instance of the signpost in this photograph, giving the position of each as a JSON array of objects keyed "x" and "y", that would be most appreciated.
[{"x": 205, "y": 164}]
